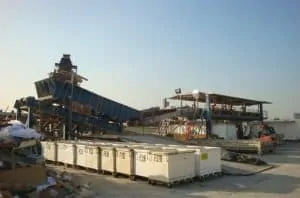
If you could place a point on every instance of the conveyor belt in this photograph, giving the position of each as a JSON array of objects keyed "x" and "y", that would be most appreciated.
[{"x": 60, "y": 91}]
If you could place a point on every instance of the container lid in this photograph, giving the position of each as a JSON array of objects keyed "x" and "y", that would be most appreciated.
[
  {"x": 139, "y": 148},
  {"x": 162, "y": 151},
  {"x": 106, "y": 146},
  {"x": 102, "y": 143},
  {"x": 176, "y": 145},
  {"x": 121, "y": 147},
  {"x": 114, "y": 144},
  {"x": 136, "y": 146},
  {"x": 169, "y": 151},
  {"x": 187, "y": 149},
  {"x": 193, "y": 146},
  {"x": 211, "y": 147}
]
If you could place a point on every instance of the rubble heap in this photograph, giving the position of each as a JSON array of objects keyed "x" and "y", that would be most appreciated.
[{"x": 22, "y": 169}]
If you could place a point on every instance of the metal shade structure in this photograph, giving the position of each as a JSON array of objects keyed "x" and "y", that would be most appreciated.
[{"x": 219, "y": 99}]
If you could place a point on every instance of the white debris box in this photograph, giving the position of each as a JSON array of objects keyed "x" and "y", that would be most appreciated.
[
  {"x": 124, "y": 161},
  {"x": 49, "y": 151},
  {"x": 213, "y": 161},
  {"x": 142, "y": 166},
  {"x": 88, "y": 156},
  {"x": 93, "y": 157},
  {"x": 197, "y": 153},
  {"x": 207, "y": 160},
  {"x": 198, "y": 165},
  {"x": 80, "y": 155},
  {"x": 66, "y": 152},
  {"x": 169, "y": 166},
  {"x": 108, "y": 158}
]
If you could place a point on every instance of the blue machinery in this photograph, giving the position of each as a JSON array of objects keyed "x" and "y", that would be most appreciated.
[{"x": 64, "y": 109}]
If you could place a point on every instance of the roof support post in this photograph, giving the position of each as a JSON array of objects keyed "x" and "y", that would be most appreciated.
[
  {"x": 261, "y": 112},
  {"x": 18, "y": 114},
  {"x": 208, "y": 115}
]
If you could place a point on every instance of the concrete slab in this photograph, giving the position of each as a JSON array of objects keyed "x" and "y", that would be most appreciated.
[{"x": 239, "y": 169}]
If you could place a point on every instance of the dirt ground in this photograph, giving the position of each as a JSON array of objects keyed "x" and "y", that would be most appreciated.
[{"x": 282, "y": 181}]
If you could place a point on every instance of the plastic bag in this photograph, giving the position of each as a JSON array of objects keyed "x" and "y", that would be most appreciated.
[{"x": 17, "y": 129}]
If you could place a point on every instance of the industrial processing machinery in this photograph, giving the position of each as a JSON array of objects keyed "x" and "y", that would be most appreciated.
[{"x": 64, "y": 109}]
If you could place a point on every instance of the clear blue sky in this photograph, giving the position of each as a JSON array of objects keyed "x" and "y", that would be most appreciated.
[{"x": 138, "y": 51}]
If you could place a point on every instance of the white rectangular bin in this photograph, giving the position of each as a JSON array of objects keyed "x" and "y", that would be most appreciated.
[
  {"x": 108, "y": 158},
  {"x": 207, "y": 160},
  {"x": 66, "y": 152},
  {"x": 169, "y": 166},
  {"x": 198, "y": 165},
  {"x": 88, "y": 156},
  {"x": 49, "y": 151},
  {"x": 213, "y": 159},
  {"x": 93, "y": 157},
  {"x": 124, "y": 160},
  {"x": 80, "y": 155},
  {"x": 142, "y": 166}
]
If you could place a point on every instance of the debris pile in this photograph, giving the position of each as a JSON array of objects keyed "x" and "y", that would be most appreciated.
[
  {"x": 241, "y": 158},
  {"x": 57, "y": 185},
  {"x": 22, "y": 169},
  {"x": 9, "y": 190},
  {"x": 13, "y": 132},
  {"x": 62, "y": 185}
]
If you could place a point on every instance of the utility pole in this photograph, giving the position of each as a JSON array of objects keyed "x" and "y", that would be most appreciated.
[{"x": 178, "y": 92}]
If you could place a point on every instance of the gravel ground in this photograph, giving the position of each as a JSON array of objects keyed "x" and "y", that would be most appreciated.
[{"x": 282, "y": 181}]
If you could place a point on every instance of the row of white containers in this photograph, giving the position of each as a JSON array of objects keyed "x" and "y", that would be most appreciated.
[{"x": 160, "y": 162}]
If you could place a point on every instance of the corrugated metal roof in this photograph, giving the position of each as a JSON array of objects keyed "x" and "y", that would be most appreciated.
[{"x": 220, "y": 99}]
